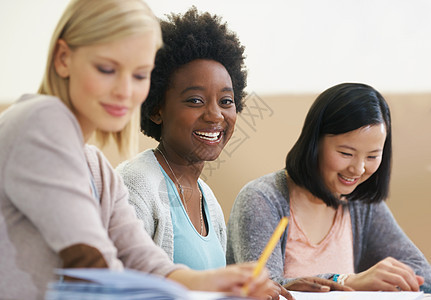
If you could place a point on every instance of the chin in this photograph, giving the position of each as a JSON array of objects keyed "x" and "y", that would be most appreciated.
[
  {"x": 211, "y": 157},
  {"x": 113, "y": 128}
]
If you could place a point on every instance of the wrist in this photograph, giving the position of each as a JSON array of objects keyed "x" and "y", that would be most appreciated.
[
  {"x": 341, "y": 278},
  {"x": 349, "y": 280}
]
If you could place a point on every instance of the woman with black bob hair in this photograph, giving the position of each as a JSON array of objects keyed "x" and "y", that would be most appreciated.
[
  {"x": 332, "y": 187},
  {"x": 340, "y": 109}
]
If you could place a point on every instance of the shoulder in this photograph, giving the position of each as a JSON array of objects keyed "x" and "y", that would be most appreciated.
[
  {"x": 37, "y": 107},
  {"x": 142, "y": 174},
  {"x": 269, "y": 186},
  {"x": 139, "y": 166},
  {"x": 42, "y": 124},
  {"x": 41, "y": 120},
  {"x": 362, "y": 209},
  {"x": 268, "y": 191}
]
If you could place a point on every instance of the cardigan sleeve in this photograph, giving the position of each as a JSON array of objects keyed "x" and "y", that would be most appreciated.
[
  {"x": 253, "y": 219},
  {"x": 136, "y": 248},
  {"x": 142, "y": 209},
  {"x": 383, "y": 237},
  {"x": 48, "y": 181},
  {"x": 149, "y": 197}
]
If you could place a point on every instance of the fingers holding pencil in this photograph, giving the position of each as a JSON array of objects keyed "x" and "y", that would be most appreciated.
[
  {"x": 270, "y": 290},
  {"x": 261, "y": 286},
  {"x": 232, "y": 279}
]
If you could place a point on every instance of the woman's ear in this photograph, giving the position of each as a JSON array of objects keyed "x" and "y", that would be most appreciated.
[
  {"x": 156, "y": 118},
  {"x": 61, "y": 58}
]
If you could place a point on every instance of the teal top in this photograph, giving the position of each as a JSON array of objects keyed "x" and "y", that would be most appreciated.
[{"x": 190, "y": 248}]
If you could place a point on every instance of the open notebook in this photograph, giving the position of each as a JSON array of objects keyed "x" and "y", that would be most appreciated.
[
  {"x": 359, "y": 296},
  {"x": 121, "y": 285}
]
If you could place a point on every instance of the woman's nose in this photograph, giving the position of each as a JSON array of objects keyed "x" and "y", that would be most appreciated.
[
  {"x": 123, "y": 87},
  {"x": 213, "y": 113},
  {"x": 357, "y": 167}
]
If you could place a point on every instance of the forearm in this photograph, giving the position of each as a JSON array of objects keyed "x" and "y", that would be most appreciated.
[{"x": 191, "y": 279}]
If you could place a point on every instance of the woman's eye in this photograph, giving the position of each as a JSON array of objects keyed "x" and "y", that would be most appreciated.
[
  {"x": 141, "y": 76},
  {"x": 346, "y": 154},
  {"x": 227, "y": 101},
  {"x": 194, "y": 100},
  {"x": 105, "y": 70}
]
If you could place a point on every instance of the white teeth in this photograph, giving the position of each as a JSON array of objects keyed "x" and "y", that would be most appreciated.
[
  {"x": 209, "y": 136},
  {"x": 208, "y": 139},
  {"x": 347, "y": 179}
]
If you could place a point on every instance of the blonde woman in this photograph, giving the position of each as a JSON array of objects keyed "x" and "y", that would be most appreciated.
[{"x": 61, "y": 203}]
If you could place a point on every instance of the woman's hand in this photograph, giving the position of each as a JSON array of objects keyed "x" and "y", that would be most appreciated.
[
  {"x": 315, "y": 284},
  {"x": 387, "y": 275},
  {"x": 232, "y": 280}
]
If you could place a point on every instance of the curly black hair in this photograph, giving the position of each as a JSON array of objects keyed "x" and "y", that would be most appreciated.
[{"x": 186, "y": 38}]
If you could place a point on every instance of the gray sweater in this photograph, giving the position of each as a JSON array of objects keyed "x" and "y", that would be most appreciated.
[{"x": 264, "y": 201}]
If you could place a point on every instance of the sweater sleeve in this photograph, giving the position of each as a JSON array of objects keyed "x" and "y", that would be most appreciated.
[
  {"x": 149, "y": 197},
  {"x": 254, "y": 217},
  {"x": 136, "y": 248},
  {"x": 384, "y": 238},
  {"x": 48, "y": 181},
  {"x": 142, "y": 209}
]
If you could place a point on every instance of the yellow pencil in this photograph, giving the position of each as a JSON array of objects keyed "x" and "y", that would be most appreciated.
[{"x": 268, "y": 250}]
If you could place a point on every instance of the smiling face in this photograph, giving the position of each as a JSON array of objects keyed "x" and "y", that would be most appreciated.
[
  {"x": 199, "y": 114},
  {"x": 108, "y": 81},
  {"x": 346, "y": 160}
]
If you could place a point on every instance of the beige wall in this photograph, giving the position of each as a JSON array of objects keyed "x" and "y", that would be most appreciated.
[{"x": 270, "y": 125}]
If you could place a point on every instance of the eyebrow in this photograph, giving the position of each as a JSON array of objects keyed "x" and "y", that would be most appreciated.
[
  {"x": 201, "y": 88},
  {"x": 354, "y": 149},
  {"x": 113, "y": 61}
]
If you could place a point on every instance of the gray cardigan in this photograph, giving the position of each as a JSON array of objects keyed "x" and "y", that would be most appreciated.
[
  {"x": 264, "y": 201},
  {"x": 149, "y": 195}
]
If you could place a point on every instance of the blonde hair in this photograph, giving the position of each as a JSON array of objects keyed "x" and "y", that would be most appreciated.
[{"x": 89, "y": 22}]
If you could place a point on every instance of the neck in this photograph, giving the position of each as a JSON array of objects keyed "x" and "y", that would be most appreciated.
[
  {"x": 185, "y": 177},
  {"x": 303, "y": 197},
  {"x": 186, "y": 172}
]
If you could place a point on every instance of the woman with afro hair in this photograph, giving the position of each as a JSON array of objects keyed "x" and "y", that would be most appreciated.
[{"x": 197, "y": 89}]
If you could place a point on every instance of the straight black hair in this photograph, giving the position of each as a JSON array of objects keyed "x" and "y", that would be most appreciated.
[{"x": 340, "y": 109}]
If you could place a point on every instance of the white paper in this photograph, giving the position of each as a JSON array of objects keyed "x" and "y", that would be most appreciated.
[
  {"x": 122, "y": 285},
  {"x": 358, "y": 295}
]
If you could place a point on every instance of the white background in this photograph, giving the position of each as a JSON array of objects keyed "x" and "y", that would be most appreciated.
[{"x": 297, "y": 46}]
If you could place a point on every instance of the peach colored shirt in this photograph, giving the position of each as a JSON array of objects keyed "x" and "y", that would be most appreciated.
[{"x": 334, "y": 254}]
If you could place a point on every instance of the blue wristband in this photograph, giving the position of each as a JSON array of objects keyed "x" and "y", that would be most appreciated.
[{"x": 335, "y": 277}]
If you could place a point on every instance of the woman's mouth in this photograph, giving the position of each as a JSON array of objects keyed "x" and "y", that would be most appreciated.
[
  {"x": 347, "y": 180},
  {"x": 209, "y": 136},
  {"x": 115, "y": 110}
]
